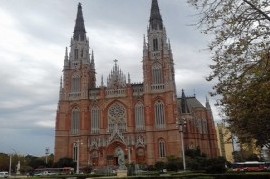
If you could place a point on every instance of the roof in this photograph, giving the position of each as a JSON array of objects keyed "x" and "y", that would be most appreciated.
[{"x": 191, "y": 102}]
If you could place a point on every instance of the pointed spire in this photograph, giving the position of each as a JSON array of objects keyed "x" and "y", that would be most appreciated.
[
  {"x": 155, "y": 17},
  {"x": 92, "y": 57},
  {"x": 144, "y": 42},
  {"x": 128, "y": 78},
  {"x": 207, "y": 104},
  {"x": 102, "y": 83},
  {"x": 92, "y": 60},
  {"x": 61, "y": 83},
  {"x": 184, "y": 105},
  {"x": 79, "y": 29},
  {"x": 61, "y": 88},
  {"x": 66, "y": 62},
  {"x": 66, "y": 54},
  {"x": 169, "y": 42}
]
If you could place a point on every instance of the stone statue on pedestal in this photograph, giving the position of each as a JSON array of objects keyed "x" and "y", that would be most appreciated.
[
  {"x": 121, "y": 159},
  {"x": 18, "y": 168}
]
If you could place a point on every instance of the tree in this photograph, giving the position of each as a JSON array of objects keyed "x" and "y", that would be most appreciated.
[
  {"x": 174, "y": 163},
  {"x": 65, "y": 162},
  {"x": 195, "y": 159},
  {"x": 159, "y": 165},
  {"x": 240, "y": 48},
  {"x": 4, "y": 162},
  {"x": 216, "y": 165}
]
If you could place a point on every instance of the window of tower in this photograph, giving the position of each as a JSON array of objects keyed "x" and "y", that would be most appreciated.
[
  {"x": 157, "y": 74},
  {"x": 162, "y": 148},
  {"x": 155, "y": 44},
  {"x": 75, "y": 121},
  {"x": 95, "y": 120},
  {"x": 81, "y": 52},
  {"x": 139, "y": 116},
  {"x": 76, "y": 84},
  {"x": 159, "y": 115},
  {"x": 154, "y": 26},
  {"x": 76, "y": 53}
]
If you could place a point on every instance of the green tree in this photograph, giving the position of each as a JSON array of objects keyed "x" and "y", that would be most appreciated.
[
  {"x": 65, "y": 162},
  {"x": 216, "y": 165},
  {"x": 35, "y": 162},
  {"x": 174, "y": 163},
  {"x": 240, "y": 48},
  {"x": 195, "y": 159},
  {"x": 159, "y": 165},
  {"x": 4, "y": 162}
]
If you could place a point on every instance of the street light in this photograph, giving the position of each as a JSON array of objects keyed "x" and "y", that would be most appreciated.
[
  {"x": 47, "y": 151},
  {"x": 77, "y": 145},
  {"x": 10, "y": 160},
  {"x": 181, "y": 124}
]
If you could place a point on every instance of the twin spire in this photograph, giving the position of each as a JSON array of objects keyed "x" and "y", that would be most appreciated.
[{"x": 79, "y": 29}]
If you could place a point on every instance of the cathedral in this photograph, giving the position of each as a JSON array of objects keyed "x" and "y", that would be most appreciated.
[{"x": 119, "y": 121}]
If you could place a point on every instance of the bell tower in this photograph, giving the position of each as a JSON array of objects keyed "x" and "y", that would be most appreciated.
[
  {"x": 78, "y": 77},
  {"x": 79, "y": 67},
  {"x": 159, "y": 85},
  {"x": 158, "y": 66}
]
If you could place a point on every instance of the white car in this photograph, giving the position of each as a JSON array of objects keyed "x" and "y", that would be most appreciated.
[{"x": 3, "y": 174}]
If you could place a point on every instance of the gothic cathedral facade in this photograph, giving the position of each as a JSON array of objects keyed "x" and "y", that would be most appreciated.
[{"x": 96, "y": 123}]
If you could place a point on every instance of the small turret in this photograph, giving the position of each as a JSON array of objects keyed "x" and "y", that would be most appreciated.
[
  {"x": 92, "y": 63},
  {"x": 66, "y": 61},
  {"x": 207, "y": 104}
]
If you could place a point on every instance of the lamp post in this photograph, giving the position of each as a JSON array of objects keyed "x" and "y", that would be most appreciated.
[
  {"x": 10, "y": 160},
  {"x": 77, "y": 145},
  {"x": 181, "y": 124},
  {"x": 47, "y": 151}
]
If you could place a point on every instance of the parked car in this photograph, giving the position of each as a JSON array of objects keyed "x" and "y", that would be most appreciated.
[
  {"x": 3, "y": 174},
  {"x": 44, "y": 173}
]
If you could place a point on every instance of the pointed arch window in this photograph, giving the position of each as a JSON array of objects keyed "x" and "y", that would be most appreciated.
[
  {"x": 159, "y": 115},
  {"x": 76, "y": 53},
  {"x": 204, "y": 126},
  {"x": 161, "y": 148},
  {"x": 95, "y": 120},
  {"x": 155, "y": 44},
  {"x": 75, "y": 121},
  {"x": 157, "y": 74},
  {"x": 76, "y": 83},
  {"x": 139, "y": 116},
  {"x": 81, "y": 52}
]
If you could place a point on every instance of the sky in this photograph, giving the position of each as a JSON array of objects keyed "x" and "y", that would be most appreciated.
[{"x": 35, "y": 33}]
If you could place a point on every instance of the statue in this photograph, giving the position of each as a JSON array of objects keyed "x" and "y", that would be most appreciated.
[
  {"x": 18, "y": 168},
  {"x": 121, "y": 159}
]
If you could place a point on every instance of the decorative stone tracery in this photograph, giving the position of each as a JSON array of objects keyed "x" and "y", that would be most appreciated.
[{"x": 117, "y": 118}]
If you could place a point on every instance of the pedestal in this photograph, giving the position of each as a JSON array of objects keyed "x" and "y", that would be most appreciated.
[{"x": 121, "y": 173}]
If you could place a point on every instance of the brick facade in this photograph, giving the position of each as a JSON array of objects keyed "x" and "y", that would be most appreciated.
[{"x": 138, "y": 119}]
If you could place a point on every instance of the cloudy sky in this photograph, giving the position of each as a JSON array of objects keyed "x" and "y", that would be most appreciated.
[{"x": 34, "y": 34}]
